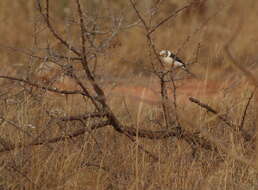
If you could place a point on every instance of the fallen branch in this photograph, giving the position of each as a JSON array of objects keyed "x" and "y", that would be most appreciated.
[
  {"x": 176, "y": 131},
  {"x": 82, "y": 116},
  {"x": 210, "y": 109}
]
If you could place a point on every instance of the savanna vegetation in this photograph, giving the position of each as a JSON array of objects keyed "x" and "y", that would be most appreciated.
[{"x": 87, "y": 104}]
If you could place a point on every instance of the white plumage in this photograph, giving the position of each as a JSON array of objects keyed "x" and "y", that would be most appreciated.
[{"x": 170, "y": 60}]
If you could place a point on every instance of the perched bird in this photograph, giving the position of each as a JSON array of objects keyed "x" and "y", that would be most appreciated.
[{"x": 170, "y": 60}]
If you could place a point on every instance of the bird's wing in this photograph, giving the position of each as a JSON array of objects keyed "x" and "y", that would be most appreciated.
[
  {"x": 173, "y": 56},
  {"x": 178, "y": 64}
]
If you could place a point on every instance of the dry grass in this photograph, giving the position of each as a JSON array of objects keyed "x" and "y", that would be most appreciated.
[{"x": 105, "y": 159}]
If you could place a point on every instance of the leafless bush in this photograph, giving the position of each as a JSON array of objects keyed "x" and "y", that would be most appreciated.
[{"x": 77, "y": 63}]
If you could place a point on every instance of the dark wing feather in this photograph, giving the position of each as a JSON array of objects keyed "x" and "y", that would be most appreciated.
[{"x": 173, "y": 56}]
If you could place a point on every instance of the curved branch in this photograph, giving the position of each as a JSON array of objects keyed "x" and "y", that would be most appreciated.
[
  {"x": 210, "y": 109},
  {"x": 52, "y": 30},
  {"x": 45, "y": 58},
  {"x": 84, "y": 62},
  {"x": 82, "y": 116},
  {"x": 168, "y": 18},
  {"x": 51, "y": 89}
]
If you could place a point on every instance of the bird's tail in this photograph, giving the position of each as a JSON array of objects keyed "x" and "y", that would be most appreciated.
[
  {"x": 189, "y": 63},
  {"x": 189, "y": 72}
]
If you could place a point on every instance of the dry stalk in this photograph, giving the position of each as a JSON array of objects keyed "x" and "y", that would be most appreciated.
[
  {"x": 60, "y": 138},
  {"x": 250, "y": 76},
  {"x": 245, "y": 111}
]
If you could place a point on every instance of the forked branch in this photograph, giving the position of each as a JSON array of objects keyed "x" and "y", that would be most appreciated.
[{"x": 52, "y": 30}]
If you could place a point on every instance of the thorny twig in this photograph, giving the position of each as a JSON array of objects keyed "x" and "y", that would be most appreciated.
[
  {"x": 84, "y": 61},
  {"x": 148, "y": 36},
  {"x": 161, "y": 76},
  {"x": 177, "y": 130},
  {"x": 52, "y": 30},
  {"x": 174, "y": 14}
]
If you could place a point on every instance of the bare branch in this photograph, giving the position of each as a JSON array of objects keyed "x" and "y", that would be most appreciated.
[
  {"x": 82, "y": 116},
  {"x": 51, "y": 57},
  {"x": 83, "y": 31},
  {"x": 168, "y": 18},
  {"x": 210, "y": 109},
  {"x": 52, "y": 30},
  {"x": 87, "y": 93},
  {"x": 164, "y": 103},
  {"x": 245, "y": 111},
  {"x": 51, "y": 89},
  {"x": 84, "y": 62},
  {"x": 175, "y": 97},
  {"x": 151, "y": 43},
  {"x": 139, "y": 15},
  {"x": 177, "y": 132}
]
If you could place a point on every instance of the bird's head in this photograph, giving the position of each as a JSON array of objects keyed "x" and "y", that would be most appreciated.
[{"x": 164, "y": 53}]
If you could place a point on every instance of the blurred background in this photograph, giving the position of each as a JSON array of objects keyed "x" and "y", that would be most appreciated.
[
  {"x": 208, "y": 23},
  {"x": 104, "y": 158}
]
